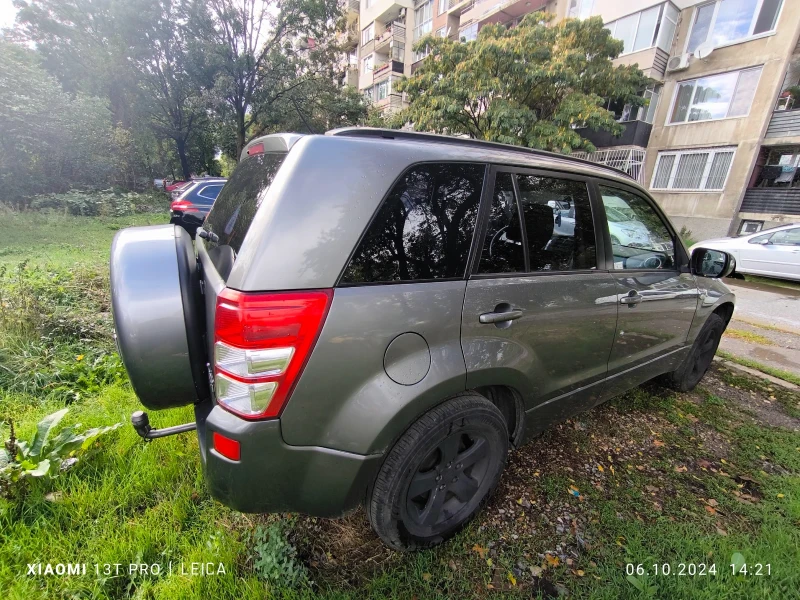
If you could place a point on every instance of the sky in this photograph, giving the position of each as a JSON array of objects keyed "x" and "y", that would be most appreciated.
[{"x": 7, "y": 13}]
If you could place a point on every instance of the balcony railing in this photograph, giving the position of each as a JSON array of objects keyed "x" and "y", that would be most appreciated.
[
  {"x": 635, "y": 133},
  {"x": 629, "y": 160},
  {"x": 391, "y": 66},
  {"x": 396, "y": 31},
  {"x": 774, "y": 200},
  {"x": 784, "y": 123}
]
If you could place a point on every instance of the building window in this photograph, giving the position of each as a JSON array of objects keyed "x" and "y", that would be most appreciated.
[
  {"x": 730, "y": 21},
  {"x": 652, "y": 27},
  {"x": 368, "y": 3},
  {"x": 647, "y": 113},
  {"x": 367, "y": 64},
  {"x": 441, "y": 32},
  {"x": 444, "y": 5},
  {"x": 369, "y": 94},
  {"x": 468, "y": 33},
  {"x": 715, "y": 97},
  {"x": 580, "y": 9},
  {"x": 368, "y": 33},
  {"x": 699, "y": 170},
  {"x": 382, "y": 90},
  {"x": 423, "y": 17},
  {"x": 748, "y": 226}
]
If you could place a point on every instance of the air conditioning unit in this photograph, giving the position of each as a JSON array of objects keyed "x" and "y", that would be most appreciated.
[{"x": 678, "y": 63}]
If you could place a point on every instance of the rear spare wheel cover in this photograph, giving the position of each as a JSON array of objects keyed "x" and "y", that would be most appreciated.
[{"x": 158, "y": 314}]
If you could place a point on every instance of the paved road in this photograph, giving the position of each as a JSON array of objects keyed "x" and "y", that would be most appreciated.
[
  {"x": 779, "y": 307},
  {"x": 758, "y": 305}
]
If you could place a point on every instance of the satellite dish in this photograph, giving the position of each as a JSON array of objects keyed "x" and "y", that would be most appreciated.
[{"x": 704, "y": 50}]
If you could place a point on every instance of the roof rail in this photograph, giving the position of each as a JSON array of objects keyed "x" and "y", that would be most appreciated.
[{"x": 390, "y": 134}]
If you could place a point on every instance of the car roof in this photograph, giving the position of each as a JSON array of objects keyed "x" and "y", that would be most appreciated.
[
  {"x": 434, "y": 138},
  {"x": 283, "y": 142}
]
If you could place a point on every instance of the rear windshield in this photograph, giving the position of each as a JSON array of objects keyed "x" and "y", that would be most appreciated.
[{"x": 237, "y": 203}]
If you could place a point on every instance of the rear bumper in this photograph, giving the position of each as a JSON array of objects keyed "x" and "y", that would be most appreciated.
[{"x": 274, "y": 477}]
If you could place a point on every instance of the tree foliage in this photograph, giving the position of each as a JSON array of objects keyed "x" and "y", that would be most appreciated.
[{"x": 530, "y": 85}]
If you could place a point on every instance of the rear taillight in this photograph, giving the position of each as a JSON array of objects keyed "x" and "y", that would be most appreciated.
[
  {"x": 181, "y": 205},
  {"x": 261, "y": 344}
]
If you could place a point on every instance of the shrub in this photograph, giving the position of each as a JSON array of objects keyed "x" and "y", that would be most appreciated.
[
  {"x": 107, "y": 203},
  {"x": 44, "y": 457}
]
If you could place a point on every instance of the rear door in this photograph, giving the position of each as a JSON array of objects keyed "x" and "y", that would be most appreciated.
[
  {"x": 657, "y": 298},
  {"x": 536, "y": 312}
]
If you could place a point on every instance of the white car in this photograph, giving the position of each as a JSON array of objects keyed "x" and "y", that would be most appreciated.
[{"x": 772, "y": 252}]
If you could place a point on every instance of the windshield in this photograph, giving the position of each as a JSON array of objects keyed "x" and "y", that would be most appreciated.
[{"x": 233, "y": 212}]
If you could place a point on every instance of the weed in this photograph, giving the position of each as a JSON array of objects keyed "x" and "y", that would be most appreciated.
[
  {"x": 275, "y": 559},
  {"x": 779, "y": 373},
  {"x": 748, "y": 336}
]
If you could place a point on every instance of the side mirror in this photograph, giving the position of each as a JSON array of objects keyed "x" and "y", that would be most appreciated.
[{"x": 712, "y": 263}]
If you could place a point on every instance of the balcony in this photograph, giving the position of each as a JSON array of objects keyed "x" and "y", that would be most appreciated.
[
  {"x": 353, "y": 8},
  {"x": 500, "y": 11},
  {"x": 392, "y": 103},
  {"x": 771, "y": 200},
  {"x": 384, "y": 69},
  {"x": 456, "y": 7},
  {"x": 783, "y": 124},
  {"x": 394, "y": 34},
  {"x": 629, "y": 160},
  {"x": 636, "y": 133}
]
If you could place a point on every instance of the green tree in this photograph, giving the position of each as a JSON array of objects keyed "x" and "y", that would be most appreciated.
[
  {"x": 530, "y": 85},
  {"x": 260, "y": 51}
]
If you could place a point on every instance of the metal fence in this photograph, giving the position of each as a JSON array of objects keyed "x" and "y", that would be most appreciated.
[{"x": 630, "y": 160}]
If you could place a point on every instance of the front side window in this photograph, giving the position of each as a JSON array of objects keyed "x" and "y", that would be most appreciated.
[
  {"x": 382, "y": 90},
  {"x": 715, "y": 97},
  {"x": 424, "y": 228},
  {"x": 639, "y": 237},
  {"x": 728, "y": 21},
  {"x": 787, "y": 237},
  {"x": 557, "y": 218},
  {"x": 705, "y": 169},
  {"x": 580, "y": 9},
  {"x": 444, "y": 5}
]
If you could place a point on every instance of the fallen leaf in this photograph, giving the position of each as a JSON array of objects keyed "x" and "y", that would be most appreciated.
[
  {"x": 711, "y": 510},
  {"x": 426, "y": 576},
  {"x": 480, "y": 550},
  {"x": 580, "y": 573},
  {"x": 658, "y": 443},
  {"x": 512, "y": 579},
  {"x": 552, "y": 560},
  {"x": 536, "y": 571},
  {"x": 721, "y": 531},
  {"x": 780, "y": 495},
  {"x": 489, "y": 562},
  {"x": 681, "y": 469},
  {"x": 712, "y": 502},
  {"x": 600, "y": 468}
]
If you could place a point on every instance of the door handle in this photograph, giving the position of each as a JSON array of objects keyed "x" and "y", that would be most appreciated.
[
  {"x": 632, "y": 299},
  {"x": 500, "y": 317}
]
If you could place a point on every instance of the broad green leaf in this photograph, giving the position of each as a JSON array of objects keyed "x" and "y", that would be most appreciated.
[
  {"x": 737, "y": 560},
  {"x": 41, "y": 469},
  {"x": 43, "y": 430},
  {"x": 5, "y": 458}
]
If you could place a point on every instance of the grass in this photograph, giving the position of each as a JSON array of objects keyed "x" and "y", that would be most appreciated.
[
  {"x": 779, "y": 373},
  {"x": 783, "y": 283},
  {"x": 748, "y": 336},
  {"x": 649, "y": 478}
]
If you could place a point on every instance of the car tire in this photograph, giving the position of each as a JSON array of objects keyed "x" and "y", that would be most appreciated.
[
  {"x": 451, "y": 458},
  {"x": 695, "y": 365}
]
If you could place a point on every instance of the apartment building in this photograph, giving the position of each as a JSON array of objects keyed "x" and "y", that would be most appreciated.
[{"x": 718, "y": 144}]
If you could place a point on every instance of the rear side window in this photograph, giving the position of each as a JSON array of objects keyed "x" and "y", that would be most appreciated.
[
  {"x": 236, "y": 206},
  {"x": 558, "y": 223},
  {"x": 424, "y": 228},
  {"x": 502, "y": 246},
  {"x": 208, "y": 193}
]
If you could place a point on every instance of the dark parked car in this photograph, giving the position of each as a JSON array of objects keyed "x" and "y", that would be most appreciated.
[
  {"x": 375, "y": 317},
  {"x": 197, "y": 199}
]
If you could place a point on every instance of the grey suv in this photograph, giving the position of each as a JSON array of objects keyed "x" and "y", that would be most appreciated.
[{"x": 376, "y": 317}]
